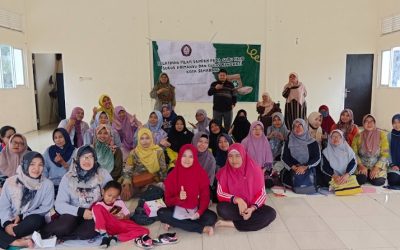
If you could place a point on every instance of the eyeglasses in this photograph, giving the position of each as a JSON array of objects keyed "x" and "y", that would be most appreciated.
[
  {"x": 86, "y": 158},
  {"x": 17, "y": 143}
]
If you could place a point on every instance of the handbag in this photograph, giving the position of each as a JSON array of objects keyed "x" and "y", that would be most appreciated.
[
  {"x": 301, "y": 183},
  {"x": 143, "y": 179},
  {"x": 351, "y": 187}
]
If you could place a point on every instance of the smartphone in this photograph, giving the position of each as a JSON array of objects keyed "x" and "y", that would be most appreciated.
[{"x": 115, "y": 209}]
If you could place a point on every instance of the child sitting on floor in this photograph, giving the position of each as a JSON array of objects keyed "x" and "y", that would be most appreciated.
[{"x": 111, "y": 218}]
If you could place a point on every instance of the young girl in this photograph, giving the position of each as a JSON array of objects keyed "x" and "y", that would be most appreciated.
[
  {"x": 111, "y": 218},
  {"x": 187, "y": 195},
  {"x": 277, "y": 134},
  {"x": 394, "y": 161},
  {"x": 126, "y": 125},
  {"x": 75, "y": 126},
  {"x": 25, "y": 199}
]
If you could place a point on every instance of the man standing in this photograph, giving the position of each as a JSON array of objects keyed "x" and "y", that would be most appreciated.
[{"x": 224, "y": 99}]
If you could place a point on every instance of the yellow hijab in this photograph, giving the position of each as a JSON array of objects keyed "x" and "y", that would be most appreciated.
[
  {"x": 110, "y": 111},
  {"x": 148, "y": 156}
]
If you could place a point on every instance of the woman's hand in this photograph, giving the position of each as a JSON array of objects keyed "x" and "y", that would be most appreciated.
[
  {"x": 361, "y": 169},
  {"x": 164, "y": 142},
  {"x": 395, "y": 168},
  {"x": 182, "y": 194},
  {"x": 241, "y": 204},
  {"x": 195, "y": 216},
  {"x": 10, "y": 229},
  {"x": 301, "y": 170},
  {"x": 87, "y": 215},
  {"x": 374, "y": 172},
  {"x": 249, "y": 211}
]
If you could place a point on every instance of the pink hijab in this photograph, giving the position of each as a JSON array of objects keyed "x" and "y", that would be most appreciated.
[
  {"x": 78, "y": 128},
  {"x": 244, "y": 182},
  {"x": 258, "y": 148},
  {"x": 9, "y": 161},
  {"x": 126, "y": 128},
  {"x": 370, "y": 139}
]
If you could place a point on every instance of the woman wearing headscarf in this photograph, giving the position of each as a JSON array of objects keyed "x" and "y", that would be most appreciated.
[
  {"x": 146, "y": 157},
  {"x": 202, "y": 122},
  {"x": 58, "y": 157},
  {"x": 338, "y": 160},
  {"x": 346, "y": 125},
  {"x": 215, "y": 131},
  {"x": 25, "y": 199},
  {"x": 101, "y": 118},
  {"x": 11, "y": 156},
  {"x": 224, "y": 141},
  {"x": 79, "y": 189},
  {"x": 394, "y": 160},
  {"x": 75, "y": 126},
  {"x": 154, "y": 124},
  {"x": 327, "y": 121},
  {"x": 265, "y": 108},
  {"x": 126, "y": 125},
  {"x": 5, "y": 134},
  {"x": 177, "y": 137},
  {"x": 295, "y": 93},
  {"x": 169, "y": 116},
  {"x": 105, "y": 105},
  {"x": 109, "y": 156},
  {"x": 241, "y": 193},
  {"x": 163, "y": 92},
  {"x": 372, "y": 151},
  {"x": 206, "y": 159},
  {"x": 301, "y": 154},
  {"x": 240, "y": 127},
  {"x": 258, "y": 148},
  {"x": 277, "y": 134},
  {"x": 187, "y": 195},
  {"x": 314, "y": 127}
]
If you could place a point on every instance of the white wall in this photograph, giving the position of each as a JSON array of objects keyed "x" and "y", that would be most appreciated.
[
  {"x": 18, "y": 105},
  {"x": 110, "y": 43},
  {"x": 45, "y": 67},
  {"x": 384, "y": 102}
]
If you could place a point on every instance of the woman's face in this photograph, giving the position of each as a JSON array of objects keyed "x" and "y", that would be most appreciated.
[
  {"x": 265, "y": 98},
  {"x": 103, "y": 135},
  {"x": 7, "y": 136},
  {"x": 35, "y": 168},
  {"x": 166, "y": 112},
  {"x": 187, "y": 158},
  {"x": 223, "y": 143},
  {"x": 59, "y": 139},
  {"x": 86, "y": 161},
  {"x": 122, "y": 114},
  {"x": 293, "y": 78},
  {"x": 345, "y": 117},
  {"x": 179, "y": 126},
  {"x": 80, "y": 114},
  {"x": 336, "y": 138},
  {"x": 396, "y": 124},
  {"x": 257, "y": 131},
  {"x": 103, "y": 118},
  {"x": 17, "y": 145},
  {"x": 242, "y": 114},
  {"x": 215, "y": 129},
  {"x": 298, "y": 128},
  {"x": 153, "y": 119},
  {"x": 164, "y": 79},
  {"x": 200, "y": 117},
  {"x": 235, "y": 159},
  {"x": 107, "y": 102},
  {"x": 369, "y": 124},
  {"x": 276, "y": 122},
  {"x": 317, "y": 121},
  {"x": 202, "y": 144},
  {"x": 145, "y": 140}
]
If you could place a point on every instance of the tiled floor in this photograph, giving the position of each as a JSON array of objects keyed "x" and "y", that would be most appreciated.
[{"x": 367, "y": 221}]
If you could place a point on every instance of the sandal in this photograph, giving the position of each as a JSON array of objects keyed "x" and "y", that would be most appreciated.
[
  {"x": 144, "y": 242},
  {"x": 166, "y": 239}
]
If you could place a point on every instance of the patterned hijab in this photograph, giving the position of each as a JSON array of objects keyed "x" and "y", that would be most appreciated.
[
  {"x": 9, "y": 160},
  {"x": 126, "y": 127},
  {"x": 346, "y": 128},
  {"x": 395, "y": 142}
]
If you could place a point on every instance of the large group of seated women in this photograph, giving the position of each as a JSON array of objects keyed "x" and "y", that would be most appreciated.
[{"x": 91, "y": 168}]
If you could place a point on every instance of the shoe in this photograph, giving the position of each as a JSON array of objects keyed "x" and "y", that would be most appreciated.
[
  {"x": 144, "y": 242},
  {"x": 165, "y": 239},
  {"x": 105, "y": 242}
]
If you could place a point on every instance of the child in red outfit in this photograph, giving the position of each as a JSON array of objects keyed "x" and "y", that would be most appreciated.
[{"x": 111, "y": 218}]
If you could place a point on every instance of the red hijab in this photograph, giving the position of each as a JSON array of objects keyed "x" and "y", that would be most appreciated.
[
  {"x": 327, "y": 120},
  {"x": 244, "y": 182},
  {"x": 194, "y": 181}
]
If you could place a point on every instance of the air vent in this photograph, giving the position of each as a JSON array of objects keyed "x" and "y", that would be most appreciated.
[
  {"x": 390, "y": 24},
  {"x": 10, "y": 20}
]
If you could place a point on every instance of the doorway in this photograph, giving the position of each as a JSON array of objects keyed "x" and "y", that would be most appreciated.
[
  {"x": 48, "y": 80},
  {"x": 358, "y": 91}
]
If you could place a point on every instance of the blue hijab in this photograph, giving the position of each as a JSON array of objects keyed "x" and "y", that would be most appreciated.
[
  {"x": 395, "y": 143},
  {"x": 65, "y": 152}
]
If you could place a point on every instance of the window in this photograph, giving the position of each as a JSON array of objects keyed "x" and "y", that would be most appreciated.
[
  {"x": 390, "y": 68},
  {"x": 11, "y": 67}
]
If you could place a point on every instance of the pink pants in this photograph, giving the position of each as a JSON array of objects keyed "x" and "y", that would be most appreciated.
[{"x": 125, "y": 230}]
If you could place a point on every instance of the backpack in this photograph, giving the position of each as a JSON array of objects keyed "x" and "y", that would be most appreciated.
[
  {"x": 302, "y": 184},
  {"x": 140, "y": 216}
]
